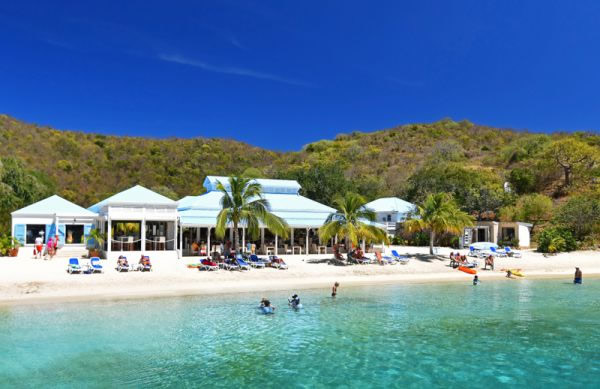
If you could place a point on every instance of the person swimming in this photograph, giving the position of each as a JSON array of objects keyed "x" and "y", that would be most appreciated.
[
  {"x": 476, "y": 280},
  {"x": 578, "y": 276},
  {"x": 265, "y": 306},
  {"x": 334, "y": 289},
  {"x": 295, "y": 301}
]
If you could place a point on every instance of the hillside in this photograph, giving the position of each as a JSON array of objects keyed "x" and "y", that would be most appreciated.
[{"x": 470, "y": 161}]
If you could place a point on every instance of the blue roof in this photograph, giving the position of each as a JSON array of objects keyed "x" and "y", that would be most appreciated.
[
  {"x": 296, "y": 210},
  {"x": 54, "y": 205},
  {"x": 137, "y": 195},
  {"x": 268, "y": 185}
]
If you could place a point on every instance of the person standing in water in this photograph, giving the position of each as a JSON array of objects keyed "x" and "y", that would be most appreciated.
[
  {"x": 476, "y": 280},
  {"x": 334, "y": 289},
  {"x": 578, "y": 276}
]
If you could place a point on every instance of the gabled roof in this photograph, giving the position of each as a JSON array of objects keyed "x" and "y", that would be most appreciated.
[
  {"x": 390, "y": 204},
  {"x": 137, "y": 195},
  {"x": 296, "y": 210},
  {"x": 54, "y": 205},
  {"x": 268, "y": 185}
]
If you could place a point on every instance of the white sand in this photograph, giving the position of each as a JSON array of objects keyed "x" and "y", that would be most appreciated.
[{"x": 26, "y": 280}]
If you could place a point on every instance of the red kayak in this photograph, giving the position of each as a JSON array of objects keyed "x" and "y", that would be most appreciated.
[{"x": 467, "y": 270}]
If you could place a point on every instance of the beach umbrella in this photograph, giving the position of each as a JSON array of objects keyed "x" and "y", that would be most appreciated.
[{"x": 484, "y": 245}]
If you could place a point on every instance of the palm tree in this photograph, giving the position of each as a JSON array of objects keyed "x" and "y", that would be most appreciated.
[
  {"x": 439, "y": 214},
  {"x": 244, "y": 204},
  {"x": 352, "y": 222}
]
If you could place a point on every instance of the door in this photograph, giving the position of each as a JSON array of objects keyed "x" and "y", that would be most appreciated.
[{"x": 481, "y": 235}]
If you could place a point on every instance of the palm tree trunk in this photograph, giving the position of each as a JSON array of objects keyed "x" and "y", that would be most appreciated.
[
  {"x": 431, "y": 241},
  {"x": 236, "y": 238}
]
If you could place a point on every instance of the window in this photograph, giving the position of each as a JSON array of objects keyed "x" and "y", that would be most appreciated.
[
  {"x": 33, "y": 231},
  {"x": 389, "y": 218},
  {"x": 126, "y": 236},
  {"x": 74, "y": 234},
  {"x": 508, "y": 233}
]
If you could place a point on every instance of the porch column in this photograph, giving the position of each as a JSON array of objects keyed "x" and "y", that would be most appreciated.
[
  {"x": 108, "y": 238},
  {"x": 143, "y": 233},
  {"x": 208, "y": 249},
  {"x": 275, "y": 244},
  {"x": 198, "y": 235},
  {"x": 307, "y": 232},
  {"x": 243, "y": 239},
  {"x": 231, "y": 235},
  {"x": 292, "y": 240},
  {"x": 180, "y": 251}
]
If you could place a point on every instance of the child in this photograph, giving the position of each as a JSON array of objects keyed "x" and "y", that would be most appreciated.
[
  {"x": 475, "y": 280},
  {"x": 334, "y": 289}
]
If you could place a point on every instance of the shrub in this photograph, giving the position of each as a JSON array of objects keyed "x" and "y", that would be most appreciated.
[{"x": 556, "y": 239}]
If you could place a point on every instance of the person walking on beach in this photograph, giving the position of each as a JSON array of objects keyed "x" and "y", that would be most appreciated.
[
  {"x": 334, "y": 289},
  {"x": 578, "y": 276},
  {"x": 39, "y": 245}
]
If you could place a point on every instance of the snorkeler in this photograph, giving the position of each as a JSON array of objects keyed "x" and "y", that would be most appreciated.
[{"x": 294, "y": 301}]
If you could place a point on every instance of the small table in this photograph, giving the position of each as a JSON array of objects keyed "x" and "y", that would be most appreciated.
[
  {"x": 270, "y": 250},
  {"x": 297, "y": 247},
  {"x": 324, "y": 248}
]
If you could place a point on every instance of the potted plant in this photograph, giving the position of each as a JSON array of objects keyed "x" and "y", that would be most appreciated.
[
  {"x": 9, "y": 245},
  {"x": 97, "y": 238}
]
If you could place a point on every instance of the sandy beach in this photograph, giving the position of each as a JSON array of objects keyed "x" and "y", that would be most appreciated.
[{"x": 26, "y": 280}]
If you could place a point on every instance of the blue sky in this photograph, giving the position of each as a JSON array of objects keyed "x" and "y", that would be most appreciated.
[{"x": 280, "y": 74}]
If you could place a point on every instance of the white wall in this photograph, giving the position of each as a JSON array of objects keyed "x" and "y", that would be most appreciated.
[{"x": 524, "y": 236}]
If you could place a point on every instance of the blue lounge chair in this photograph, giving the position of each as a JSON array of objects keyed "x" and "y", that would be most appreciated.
[
  {"x": 74, "y": 266},
  {"x": 497, "y": 253},
  {"x": 241, "y": 263},
  {"x": 228, "y": 264},
  {"x": 95, "y": 265},
  {"x": 257, "y": 262},
  {"x": 511, "y": 253},
  {"x": 400, "y": 258}
]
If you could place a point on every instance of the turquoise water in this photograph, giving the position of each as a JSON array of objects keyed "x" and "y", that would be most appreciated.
[{"x": 502, "y": 333}]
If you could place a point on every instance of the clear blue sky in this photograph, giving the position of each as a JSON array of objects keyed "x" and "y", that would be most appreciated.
[{"x": 281, "y": 74}]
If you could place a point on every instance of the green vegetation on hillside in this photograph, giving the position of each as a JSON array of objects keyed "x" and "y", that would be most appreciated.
[{"x": 471, "y": 162}]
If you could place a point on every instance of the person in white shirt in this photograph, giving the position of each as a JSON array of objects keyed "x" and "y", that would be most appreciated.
[{"x": 39, "y": 245}]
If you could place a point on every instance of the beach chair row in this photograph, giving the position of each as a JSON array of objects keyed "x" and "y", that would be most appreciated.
[
  {"x": 77, "y": 266},
  {"x": 239, "y": 263}
]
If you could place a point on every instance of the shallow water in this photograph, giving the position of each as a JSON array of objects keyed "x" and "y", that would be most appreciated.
[{"x": 500, "y": 333}]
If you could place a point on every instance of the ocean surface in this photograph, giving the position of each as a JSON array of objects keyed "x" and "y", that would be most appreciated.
[{"x": 504, "y": 333}]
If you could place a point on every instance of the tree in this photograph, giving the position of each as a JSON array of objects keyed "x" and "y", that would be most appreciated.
[
  {"x": 572, "y": 156},
  {"x": 439, "y": 214},
  {"x": 352, "y": 222},
  {"x": 243, "y": 203},
  {"x": 485, "y": 202},
  {"x": 18, "y": 188},
  {"x": 534, "y": 208},
  {"x": 581, "y": 215},
  {"x": 522, "y": 180},
  {"x": 322, "y": 182}
]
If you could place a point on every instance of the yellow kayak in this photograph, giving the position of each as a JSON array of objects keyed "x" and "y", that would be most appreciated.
[{"x": 517, "y": 272}]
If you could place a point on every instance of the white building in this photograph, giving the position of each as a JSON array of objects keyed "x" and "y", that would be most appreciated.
[
  {"x": 390, "y": 211},
  {"x": 50, "y": 217},
  {"x": 137, "y": 221},
  {"x": 198, "y": 215},
  {"x": 500, "y": 233}
]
